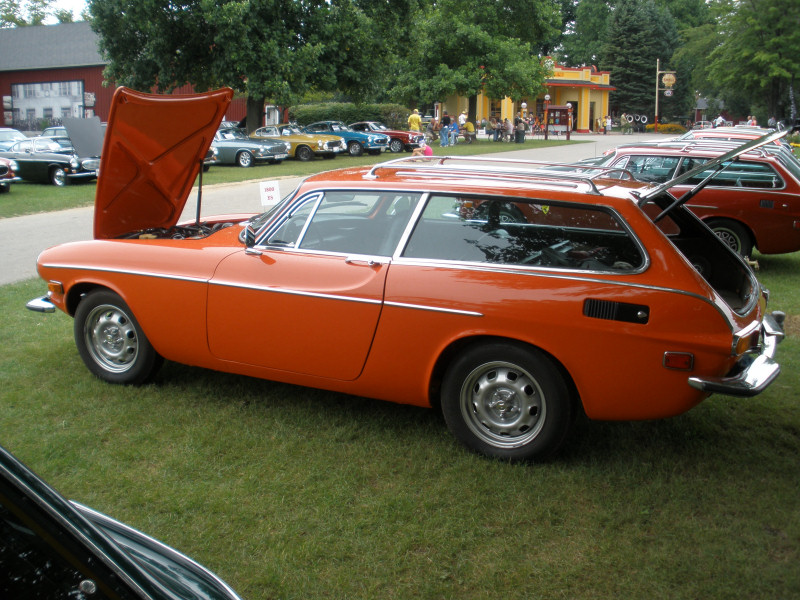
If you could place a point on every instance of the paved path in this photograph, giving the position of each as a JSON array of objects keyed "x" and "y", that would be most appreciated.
[{"x": 22, "y": 238}]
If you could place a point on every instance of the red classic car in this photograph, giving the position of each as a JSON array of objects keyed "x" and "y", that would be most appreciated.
[
  {"x": 8, "y": 174},
  {"x": 367, "y": 281},
  {"x": 399, "y": 140},
  {"x": 754, "y": 201}
]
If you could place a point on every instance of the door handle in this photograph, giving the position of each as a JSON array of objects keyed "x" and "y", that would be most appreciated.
[{"x": 368, "y": 262}]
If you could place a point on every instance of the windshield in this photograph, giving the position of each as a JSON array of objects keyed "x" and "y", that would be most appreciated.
[{"x": 11, "y": 136}]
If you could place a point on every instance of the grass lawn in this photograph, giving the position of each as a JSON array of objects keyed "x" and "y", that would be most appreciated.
[
  {"x": 26, "y": 198},
  {"x": 289, "y": 493}
]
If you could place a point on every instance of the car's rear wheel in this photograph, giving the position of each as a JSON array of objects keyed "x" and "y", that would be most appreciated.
[
  {"x": 58, "y": 176},
  {"x": 396, "y": 145},
  {"x": 507, "y": 401},
  {"x": 244, "y": 159},
  {"x": 733, "y": 234},
  {"x": 304, "y": 153},
  {"x": 111, "y": 342},
  {"x": 355, "y": 149},
  {"x": 4, "y": 187}
]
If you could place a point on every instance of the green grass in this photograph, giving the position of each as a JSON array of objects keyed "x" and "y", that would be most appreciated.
[
  {"x": 289, "y": 493},
  {"x": 27, "y": 198}
]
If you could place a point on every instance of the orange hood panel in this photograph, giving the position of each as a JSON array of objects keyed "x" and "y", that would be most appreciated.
[{"x": 153, "y": 150}]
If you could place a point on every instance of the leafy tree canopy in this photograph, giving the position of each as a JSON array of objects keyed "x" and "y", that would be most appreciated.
[{"x": 16, "y": 13}]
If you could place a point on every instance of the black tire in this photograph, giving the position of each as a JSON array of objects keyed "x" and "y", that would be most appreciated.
[
  {"x": 244, "y": 159},
  {"x": 111, "y": 342},
  {"x": 396, "y": 145},
  {"x": 508, "y": 401},
  {"x": 4, "y": 188},
  {"x": 355, "y": 149},
  {"x": 303, "y": 153},
  {"x": 733, "y": 234},
  {"x": 58, "y": 176}
]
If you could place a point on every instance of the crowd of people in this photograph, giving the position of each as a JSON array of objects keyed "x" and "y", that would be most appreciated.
[{"x": 448, "y": 130}]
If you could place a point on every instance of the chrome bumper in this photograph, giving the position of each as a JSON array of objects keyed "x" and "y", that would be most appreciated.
[
  {"x": 42, "y": 305},
  {"x": 754, "y": 373}
]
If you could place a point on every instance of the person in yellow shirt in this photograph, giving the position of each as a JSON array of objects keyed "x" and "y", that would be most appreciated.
[
  {"x": 414, "y": 122},
  {"x": 469, "y": 132}
]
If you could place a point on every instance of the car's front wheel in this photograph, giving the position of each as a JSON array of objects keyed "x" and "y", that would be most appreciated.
[
  {"x": 396, "y": 145},
  {"x": 111, "y": 342},
  {"x": 355, "y": 149},
  {"x": 507, "y": 401},
  {"x": 58, "y": 176},
  {"x": 244, "y": 159},
  {"x": 733, "y": 234}
]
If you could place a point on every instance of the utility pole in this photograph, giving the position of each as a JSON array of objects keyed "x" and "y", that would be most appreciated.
[{"x": 668, "y": 80}]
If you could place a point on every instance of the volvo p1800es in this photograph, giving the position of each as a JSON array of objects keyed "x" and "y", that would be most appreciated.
[{"x": 403, "y": 282}]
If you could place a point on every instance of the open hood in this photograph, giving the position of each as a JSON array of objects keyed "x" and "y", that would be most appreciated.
[
  {"x": 153, "y": 150},
  {"x": 86, "y": 135}
]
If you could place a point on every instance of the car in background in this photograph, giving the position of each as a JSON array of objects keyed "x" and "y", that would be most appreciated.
[
  {"x": 731, "y": 134},
  {"x": 357, "y": 142},
  {"x": 55, "y": 548},
  {"x": 234, "y": 147},
  {"x": 9, "y": 137},
  {"x": 303, "y": 146},
  {"x": 55, "y": 132},
  {"x": 752, "y": 202},
  {"x": 46, "y": 160},
  {"x": 702, "y": 125},
  {"x": 366, "y": 281},
  {"x": 398, "y": 140},
  {"x": 8, "y": 174}
]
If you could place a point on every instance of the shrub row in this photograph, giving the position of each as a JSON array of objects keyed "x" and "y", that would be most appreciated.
[{"x": 392, "y": 115}]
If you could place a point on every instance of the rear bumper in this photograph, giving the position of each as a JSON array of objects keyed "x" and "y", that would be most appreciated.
[{"x": 755, "y": 372}]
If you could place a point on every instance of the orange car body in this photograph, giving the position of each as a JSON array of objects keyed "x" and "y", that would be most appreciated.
[{"x": 632, "y": 328}]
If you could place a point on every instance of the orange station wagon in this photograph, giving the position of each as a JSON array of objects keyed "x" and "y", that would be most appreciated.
[{"x": 609, "y": 297}]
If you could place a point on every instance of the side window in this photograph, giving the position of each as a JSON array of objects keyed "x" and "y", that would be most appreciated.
[
  {"x": 654, "y": 169},
  {"x": 32, "y": 568},
  {"x": 349, "y": 222},
  {"x": 743, "y": 174},
  {"x": 514, "y": 232}
]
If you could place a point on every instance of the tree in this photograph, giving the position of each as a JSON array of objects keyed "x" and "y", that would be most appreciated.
[
  {"x": 468, "y": 48},
  {"x": 639, "y": 34},
  {"x": 584, "y": 37},
  {"x": 756, "y": 54},
  {"x": 14, "y": 13},
  {"x": 267, "y": 49}
]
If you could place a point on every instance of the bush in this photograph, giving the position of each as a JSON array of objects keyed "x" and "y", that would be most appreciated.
[
  {"x": 392, "y": 115},
  {"x": 675, "y": 128}
]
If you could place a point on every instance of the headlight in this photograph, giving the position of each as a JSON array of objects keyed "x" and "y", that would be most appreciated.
[
  {"x": 13, "y": 165},
  {"x": 74, "y": 163},
  {"x": 320, "y": 144},
  {"x": 287, "y": 146},
  {"x": 215, "y": 151},
  {"x": 371, "y": 139}
]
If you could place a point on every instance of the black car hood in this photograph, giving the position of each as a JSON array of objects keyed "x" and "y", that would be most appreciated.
[{"x": 86, "y": 136}]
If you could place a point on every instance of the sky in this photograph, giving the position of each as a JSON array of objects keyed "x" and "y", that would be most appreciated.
[{"x": 75, "y": 6}]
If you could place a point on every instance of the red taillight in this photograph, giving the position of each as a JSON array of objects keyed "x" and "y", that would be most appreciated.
[{"x": 679, "y": 361}]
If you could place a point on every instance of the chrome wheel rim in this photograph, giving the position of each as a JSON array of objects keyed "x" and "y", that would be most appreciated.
[
  {"x": 730, "y": 238},
  {"x": 245, "y": 159},
  {"x": 59, "y": 177},
  {"x": 111, "y": 338},
  {"x": 503, "y": 404}
]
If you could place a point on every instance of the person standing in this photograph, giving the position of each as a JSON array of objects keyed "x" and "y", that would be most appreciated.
[
  {"x": 462, "y": 119},
  {"x": 607, "y": 128},
  {"x": 414, "y": 121},
  {"x": 444, "y": 132}
]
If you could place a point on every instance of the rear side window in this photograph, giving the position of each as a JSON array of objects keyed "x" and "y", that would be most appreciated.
[
  {"x": 739, "y": 173},
  {"x": 652, "y": 169},
  {"x": 510, "y": 232}
]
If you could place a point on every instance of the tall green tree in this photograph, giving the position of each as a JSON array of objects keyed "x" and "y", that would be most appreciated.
[
  {"x": 639, "y": 34},
  {"x": 15, "y": 13},
  {"x": 481, "y": 46},
  {"x": 757, "y": 54},
  {"x": 267, "y": 49},
  {"x": 584, "y": 37}
]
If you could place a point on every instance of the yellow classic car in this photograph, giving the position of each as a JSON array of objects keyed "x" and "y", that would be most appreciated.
[{"x": 305, "y": 146}]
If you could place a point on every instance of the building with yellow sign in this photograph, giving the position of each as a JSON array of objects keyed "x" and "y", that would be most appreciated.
[{"x": 586, "y": 89}]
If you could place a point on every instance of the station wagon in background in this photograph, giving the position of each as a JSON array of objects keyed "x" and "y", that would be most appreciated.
[
  {"x": 753, "y": 202},
  {"x": 377, "y": 282}
]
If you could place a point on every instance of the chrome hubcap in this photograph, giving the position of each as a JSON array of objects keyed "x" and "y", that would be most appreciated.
[{"x": 111, "y": 338}]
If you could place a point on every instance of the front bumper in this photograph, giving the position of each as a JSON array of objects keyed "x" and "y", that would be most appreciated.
[
  {"x": 754, "y": 373},
  {"x": 6, "y": 180},
  {"x": 42, "y": 304},
  {"x": 82, "y": 175}
]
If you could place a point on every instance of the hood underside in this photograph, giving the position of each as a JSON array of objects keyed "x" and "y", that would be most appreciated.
[{"x": 153, "y": 150}]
